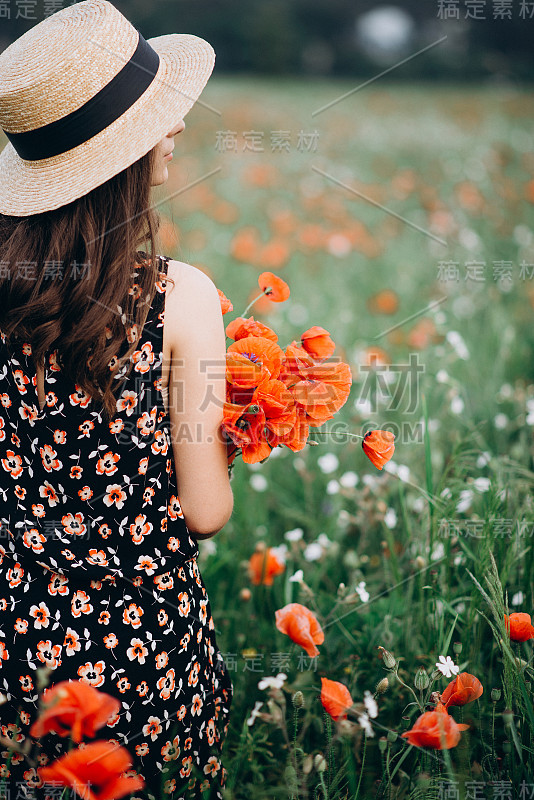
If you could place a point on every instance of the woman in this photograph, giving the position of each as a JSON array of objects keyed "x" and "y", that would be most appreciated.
[{"x": 111, "y": 460}]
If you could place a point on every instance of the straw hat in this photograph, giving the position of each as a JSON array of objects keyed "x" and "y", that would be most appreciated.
[{"x": 82, "y": 96}]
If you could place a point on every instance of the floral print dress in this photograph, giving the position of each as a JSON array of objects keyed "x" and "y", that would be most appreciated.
[{"x": 99, "y": 578}]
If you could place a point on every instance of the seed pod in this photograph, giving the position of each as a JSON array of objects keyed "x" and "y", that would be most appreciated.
[
  {"x": 495, "y": 695},
  {"x": 422, "y": 681},
  {"x": 388, "y": 658}
]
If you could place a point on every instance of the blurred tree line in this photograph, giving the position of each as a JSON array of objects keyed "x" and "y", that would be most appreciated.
[{"x": 321, "y": 37}]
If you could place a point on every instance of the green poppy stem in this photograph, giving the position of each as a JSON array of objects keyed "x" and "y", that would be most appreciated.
[
  {"x": 265, "y": 291},
  {"x": 337, "y": 433}
]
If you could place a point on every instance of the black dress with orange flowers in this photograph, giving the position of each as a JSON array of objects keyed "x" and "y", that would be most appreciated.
[{"x": 99, "y": 578}]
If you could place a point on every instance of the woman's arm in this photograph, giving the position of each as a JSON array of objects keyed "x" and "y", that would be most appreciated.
[{"x": 197, "y": 391}]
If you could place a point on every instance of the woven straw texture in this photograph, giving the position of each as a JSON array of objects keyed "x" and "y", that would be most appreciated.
[{"x": 61, "y": 63}]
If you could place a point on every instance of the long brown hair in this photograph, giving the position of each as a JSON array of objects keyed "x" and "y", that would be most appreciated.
[{"x": 96, "y": 302}]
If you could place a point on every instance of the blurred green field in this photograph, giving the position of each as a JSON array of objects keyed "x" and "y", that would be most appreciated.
[{"x": 459, "y": 166}]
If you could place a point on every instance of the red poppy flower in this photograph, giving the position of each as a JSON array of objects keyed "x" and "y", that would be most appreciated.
[
  {"x": 317, "y": 342},
  {"x": 319, "y": 389},
  {"x": 259, "y": 426},
  {"x": 74, "y": 708},
  {"x": 378, "y": 447},
  {"x": 274, "y": 287},
  {"x": 94, "y": 771},
  {"x": 435, "y": 729},
  {"x": 336, "y": 698},
  {"x": 267, "y": 564},
  {"x": 301, "y": 625},
  {"x": 239, "y": 328},
  {"x": 245, "y": 426},
  {"x": 226, "y": 304},
  {"x": 463, "y": 689},
  {"x": 519, "y": 626},
  {"x": 260, "y": 351}
]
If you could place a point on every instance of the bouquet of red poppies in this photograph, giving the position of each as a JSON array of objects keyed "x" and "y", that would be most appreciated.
[{"x": 274, "y": 395}]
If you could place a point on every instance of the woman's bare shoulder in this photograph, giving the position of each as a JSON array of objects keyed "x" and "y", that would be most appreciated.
[
  {"x": 189, "y": 279},
  {"x": 193, "y": 301}
]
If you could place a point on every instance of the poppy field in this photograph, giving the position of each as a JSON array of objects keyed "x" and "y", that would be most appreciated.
[{"x": 375, "y": 613}]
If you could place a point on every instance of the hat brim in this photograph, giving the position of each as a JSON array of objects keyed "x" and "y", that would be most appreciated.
[{"x": 31, "y": 187}]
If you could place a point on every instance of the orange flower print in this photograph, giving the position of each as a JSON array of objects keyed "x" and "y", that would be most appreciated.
[
  {"x": 146, "y": 563},
  {"x": 49, "y": 458},
  {"x": 71, "y": 642},
  {"x": 132, "y": 614},
  {"x": 301, "y": 625},
  {"x": 41, "y": 615},
  {"x": 80, "y": 603},
  {"x": 196, "y": 705},
  {"x": 274, "y": 287},
  {"x": 212, "y": 766},
  {"x": 49, "y": 654},
  {"x": 26, "y": 683},
  {"x": 123, "y": 684},
  {"x": 519, "y": 626},
  {"x": 166, "y": 684},
  {"x": 107, "y": 464},
  {"x": 137, "y": 650},
  {"x": 162, "y": 659},
  {"x": 171, "y": 750},
  {"x": 21, "y": 625},
  {"x": 140, "y": 528},
  {"x": 20, "y": 380},
  {"x": 143, "y": 358},
  {"x": 73, "y": 524},
  {"x": 436, "y": 730},
  {"x": 378, "y": 447},
  {"x": 463, "y": 689},
  {"x": 152, "y": 728},
  {"x": 4, "y": 653},
  {"x": 15, "y": 575},
  {"x": 12, "y": 464},
  {"x": 110, "y": 640},
  {"x": 187, "y": 763},
  {"x": 263, "y": 566},
  {"x": 33, "y": 540},
  {"x": 115, "y": 494},
  {"x": 92, "y": 674},
  {"x": 58, "y": 585},
  {"x": 147, "y": 422},
  {"x": 184, "y": 604},
  {"x": 336, "y": 698}
]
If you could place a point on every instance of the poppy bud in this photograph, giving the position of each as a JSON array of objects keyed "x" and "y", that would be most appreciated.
[
  {"x": 298, "y": 699},
  {"x": 245, "y": 594},
  {"x": 388, "y": 658},
  {"x": 457, "y": 647},
  {"x": 421, "y": 680},
  {"x": 319, "y": 763},
  {"x": 382, "y": 686},
  {"x": 378, "y": 447},
  {"x": 307, "y": 764},
  {"x": 382, "y": 744},
  {"x": 420, "y": 562},
  {"x": 392, "y": 736}
]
